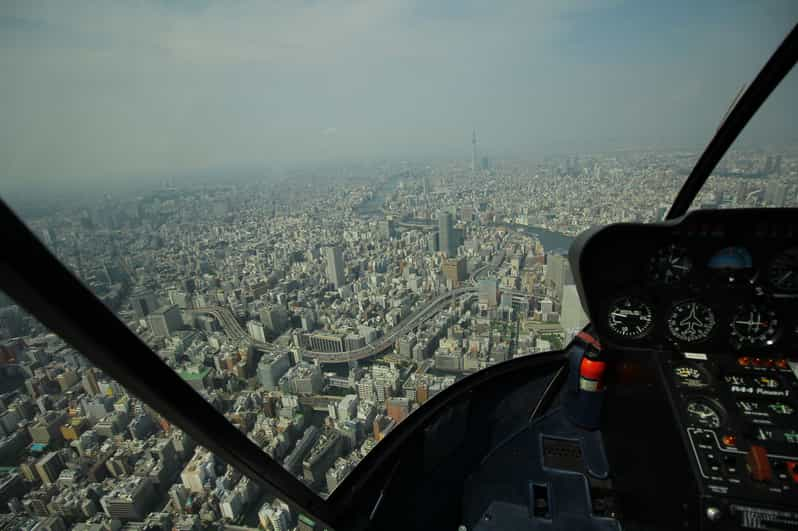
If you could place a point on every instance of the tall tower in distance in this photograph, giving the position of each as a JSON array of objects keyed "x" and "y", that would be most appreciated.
[{"x": 473, "y": 151}]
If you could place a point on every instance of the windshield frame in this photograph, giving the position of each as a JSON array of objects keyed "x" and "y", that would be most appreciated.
[{"x": 747, "y": 105}]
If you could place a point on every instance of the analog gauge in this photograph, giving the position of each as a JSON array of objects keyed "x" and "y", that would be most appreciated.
[
  {"x": 670, "y": 265},
  {"x": 780, "y": 408},
  {"x": 783, "y": 271},
  {"x": 691, "y": 321},
  {"x": 630, "y": 318},
  {"x": 754, "y": 324},
  {"x": 703, "y": 413},
  {"x": 690, "y": 376}
]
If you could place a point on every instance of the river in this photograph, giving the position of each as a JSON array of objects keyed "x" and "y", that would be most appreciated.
[{"x": 555, "y": 242}]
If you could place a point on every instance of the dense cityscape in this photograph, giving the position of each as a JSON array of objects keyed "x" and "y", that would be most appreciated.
[{"x": 316, "y": 312}]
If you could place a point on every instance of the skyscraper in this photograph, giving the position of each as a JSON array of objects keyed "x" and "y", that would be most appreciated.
[
  {"x": 454, "y": 269},
  {"x": 164, "y": 321},
  {"x": 448, "y": 245},
  {"x": 489, "y": 292},
  {"x": 48, "y": 467},
  {"x": 572, "y": 316},
  {"x": 89, "y": 382},
  {"x": 335, "y": 266},
  {"x": 473, "y": 151}
]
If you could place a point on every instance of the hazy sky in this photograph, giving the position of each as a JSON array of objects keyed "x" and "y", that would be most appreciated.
[{"x": 112, "y": 89}]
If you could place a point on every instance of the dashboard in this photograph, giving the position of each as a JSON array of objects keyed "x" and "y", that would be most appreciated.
[{"x": 712, "y": 281}]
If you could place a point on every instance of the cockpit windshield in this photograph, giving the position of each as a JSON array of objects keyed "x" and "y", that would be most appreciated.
[
  {"x": 761, "y": 168},
  {"x": 320, "y": 215}
]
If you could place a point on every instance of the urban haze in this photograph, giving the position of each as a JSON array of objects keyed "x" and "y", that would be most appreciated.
[{"x": 321, "y": 215}]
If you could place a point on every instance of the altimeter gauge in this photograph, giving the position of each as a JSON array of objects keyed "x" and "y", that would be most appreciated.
[{"x": 630, "y": 318}]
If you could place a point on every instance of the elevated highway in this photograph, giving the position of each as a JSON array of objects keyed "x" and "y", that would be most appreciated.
[{"x": 235, "y": 331}]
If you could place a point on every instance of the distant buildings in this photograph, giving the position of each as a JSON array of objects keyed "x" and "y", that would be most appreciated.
[{"x": 75, "y": 437}]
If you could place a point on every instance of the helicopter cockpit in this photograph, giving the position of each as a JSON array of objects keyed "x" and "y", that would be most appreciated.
[{"x": 676, "y": 407}]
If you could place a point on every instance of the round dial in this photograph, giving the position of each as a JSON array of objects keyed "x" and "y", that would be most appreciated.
[
  {"x": 690, "y": 376},
  {"x": 783, "y": 271},
  {"x": 670, "y": 265},
  {"x": 754, "y": 324},
  {"x": 691, "y": 321},
  {"x": 703, "y": 413},
  {"x": 630, "y": 318}
]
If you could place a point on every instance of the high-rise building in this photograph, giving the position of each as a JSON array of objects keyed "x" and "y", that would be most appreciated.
[
  {"x": 489, "y": 292},
  {"x": 335, "y": 266},
  {"x": 572, "y": 316},
  {"x": 271, "y": 367},
  {"x": 274, "y": 318},
  {"x": 144, "y": 303},
  {"x": 398, "y": 408},
  {"x": 164, "y": 321},
  {"x": 446, "y": 236},
  {"x": 473, "y": 151},
  {"x": 387, "y": 229},
  {"x": 130, "y": 499},
  {"x": 277, "y": 517},
  {"x": 558, "y": 274},
  {"x": 48, "y": 467},
  {"x": 433, "y": 245},
  {"x": 327, "y": 449},
  {"x": 454, "y": 269},
  {"x": 89, "y": 382},
  {"x": 293, "y": 462},
  {"x": 256, "y": 331}
]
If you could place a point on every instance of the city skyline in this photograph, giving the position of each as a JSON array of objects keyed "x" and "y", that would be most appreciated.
[
  {"x": 315, "y": 317},
  {"x": 314, "y": 218},
  {"x": 165, "y": 89}
]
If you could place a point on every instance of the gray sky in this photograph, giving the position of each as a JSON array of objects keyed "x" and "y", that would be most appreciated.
[{"x": 102, "y": 91}]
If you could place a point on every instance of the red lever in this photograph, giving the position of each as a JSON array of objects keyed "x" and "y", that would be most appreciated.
[{"x": 758, "y": 464}]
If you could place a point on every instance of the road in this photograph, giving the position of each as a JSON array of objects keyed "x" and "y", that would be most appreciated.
[{"x": 234, "y": 330}]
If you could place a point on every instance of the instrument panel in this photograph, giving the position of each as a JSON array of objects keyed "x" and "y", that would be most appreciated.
[
  {"x": 739, "y": 421},
  {"x": 711, "y": 281}
]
